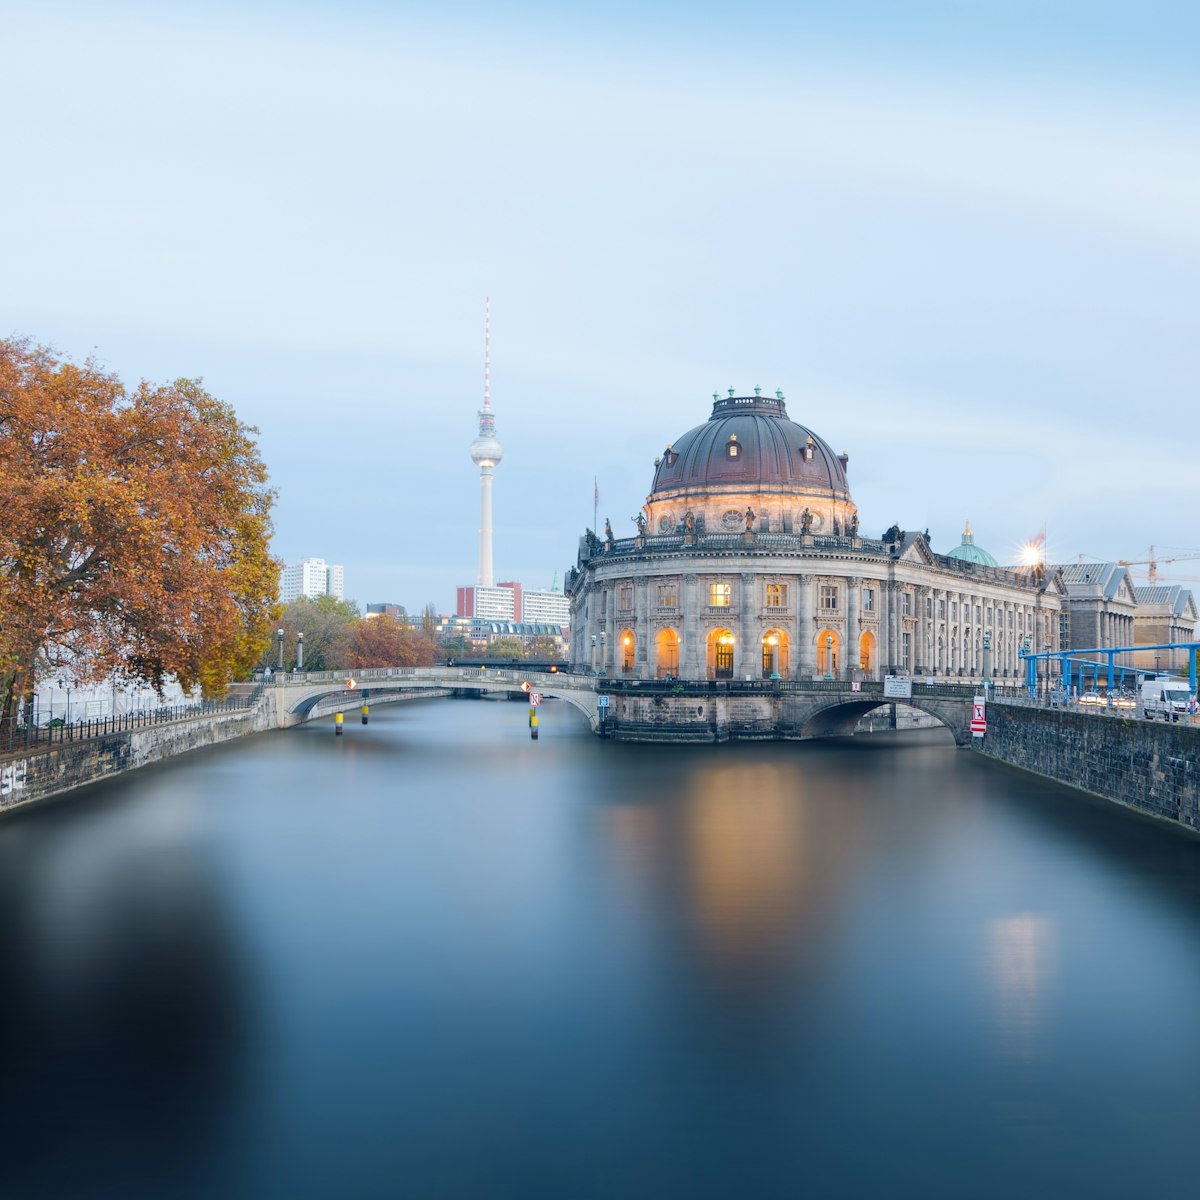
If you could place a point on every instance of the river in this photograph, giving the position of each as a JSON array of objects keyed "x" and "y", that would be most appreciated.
[{"x": 435, "y": 958}]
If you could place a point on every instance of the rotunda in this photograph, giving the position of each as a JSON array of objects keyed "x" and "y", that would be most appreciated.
[{"x": 748, "y": 563}]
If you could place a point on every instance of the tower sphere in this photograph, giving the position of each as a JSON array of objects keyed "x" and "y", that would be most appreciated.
[{"x": 486, "y": 451}]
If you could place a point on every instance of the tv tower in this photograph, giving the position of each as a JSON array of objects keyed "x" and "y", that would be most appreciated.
[{"x": 486, "y": 452}]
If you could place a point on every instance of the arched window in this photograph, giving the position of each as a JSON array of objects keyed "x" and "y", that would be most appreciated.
[{"x": 733, "y": 448}]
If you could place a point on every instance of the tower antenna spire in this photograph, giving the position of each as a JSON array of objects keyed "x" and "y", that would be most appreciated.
[{"x": 487, "y": 352}]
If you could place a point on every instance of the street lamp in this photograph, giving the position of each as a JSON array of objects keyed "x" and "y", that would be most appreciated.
[
  {"x": 279, "y": 635},
  {"x": 773, "y": 642},
  {"x": 829, "y": 656},
  {"x": 300, "y": 651},
  {"x": 603, "y": 660},
  {"x": 61, "y": 684},
  {"x": 593, "y": 653}
]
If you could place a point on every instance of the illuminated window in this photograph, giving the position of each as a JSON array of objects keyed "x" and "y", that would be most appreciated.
[
  {"x": 776, "y": 595},
  {"x": 720, "y": 594}
]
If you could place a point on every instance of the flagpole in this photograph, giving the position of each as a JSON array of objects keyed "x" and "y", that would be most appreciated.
[{"x": 595, "y": 501}]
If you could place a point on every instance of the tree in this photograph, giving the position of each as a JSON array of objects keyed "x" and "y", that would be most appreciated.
[
  {"x": 508, "y": 648},
  {"x": 385, "y": 642},
  {"x": 429, "y": 620},
  {"x": 325, "y": 622},
  {"x": 543, "y": 647},
  {"x": 135, "y": 539}
]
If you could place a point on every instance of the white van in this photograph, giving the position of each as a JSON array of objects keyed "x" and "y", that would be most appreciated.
[{"x": 1168, "y": 699}]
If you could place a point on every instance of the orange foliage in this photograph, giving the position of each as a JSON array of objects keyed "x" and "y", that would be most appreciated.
[
  {"x": 136, "y": 528},
  {"x": 385, "y": 642}
]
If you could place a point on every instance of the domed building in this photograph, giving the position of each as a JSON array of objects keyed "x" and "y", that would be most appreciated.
[{"x": 748, "y": 562}]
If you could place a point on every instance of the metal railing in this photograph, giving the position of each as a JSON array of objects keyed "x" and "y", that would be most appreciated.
[{"x": 17, "y": 737}]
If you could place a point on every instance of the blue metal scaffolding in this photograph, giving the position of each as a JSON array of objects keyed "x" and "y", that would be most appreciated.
[{"x": 1073, "y": 660}]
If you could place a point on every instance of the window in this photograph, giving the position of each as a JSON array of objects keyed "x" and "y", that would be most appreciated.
[
  {"x": 929, "y": 606},
  {"x": 978, "y": 614},
  {"x": 829, "y": 597},
  {"x": 732, "y": 447},
  {"x": 666, "y": 595},
  {"x": 625, "y": 596},
  {"x": 942, "y": 609},
  {"x": 868, "y": 599},
  {"x": 777, "y": 595},
  {"x": 719, "y": 595},
  {"x": 905, "y": 605},
  {"x": 954, "y": 611},
  {"x": 906, "y": 643}
]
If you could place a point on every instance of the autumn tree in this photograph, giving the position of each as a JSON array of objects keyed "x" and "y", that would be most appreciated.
[
  {"x": 135, "y": 539},
  {"x": 505, "y": 648},
  {"x": 325, "y": 622},
  {"x": 385, "y": 642}
]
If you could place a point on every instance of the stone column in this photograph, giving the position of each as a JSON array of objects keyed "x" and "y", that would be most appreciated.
[
  {"x": 610, "y": 629},
  {"x": 923, "y": 626},
  {"x": 745, "y": 652},
  {"x": 853, "y": 630},
  {"x": 691, "y": 653},
  {"x": 804, "y": 655},
  {"x": 644, "y": 651}
]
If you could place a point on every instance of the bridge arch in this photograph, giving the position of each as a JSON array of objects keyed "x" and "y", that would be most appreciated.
[{"x": 840, "y": 717}]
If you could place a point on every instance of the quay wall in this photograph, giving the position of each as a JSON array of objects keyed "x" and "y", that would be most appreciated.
[
  {"x": 38, "y": 775},
  {"x": 1145, "y": 765}
]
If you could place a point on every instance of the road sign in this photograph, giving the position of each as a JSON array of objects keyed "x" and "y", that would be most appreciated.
[
  {"x": 855, "y": 685},
  {"x": 535, "y": 698},
  {"x": 978, "y": 717},
  {"x": 601, "y": 701}
]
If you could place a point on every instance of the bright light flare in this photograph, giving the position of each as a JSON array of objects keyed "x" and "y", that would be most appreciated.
[{"x": 1031, "y": 554}]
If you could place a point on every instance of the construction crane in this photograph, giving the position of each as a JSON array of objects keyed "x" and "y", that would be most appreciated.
[{"x": 1151, "y": 563}]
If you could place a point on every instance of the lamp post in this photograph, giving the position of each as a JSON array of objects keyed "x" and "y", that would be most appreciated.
[
  {"x": 829, "y": 656},
  {"x": 300, "y": 651},
  {"x": 603, "y": 660},
  {"x": 593, "y": 653},
  {"x": 987, "y": 657},
  {"x": 61, "y": 684},
  {"x": 626, "y": 663},
  {"x": 279, "y": 636},
  {"x": 773, "y": 642}
]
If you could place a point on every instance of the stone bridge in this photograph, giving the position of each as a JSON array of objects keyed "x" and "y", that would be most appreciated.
[{"x": 637, "y": 710}]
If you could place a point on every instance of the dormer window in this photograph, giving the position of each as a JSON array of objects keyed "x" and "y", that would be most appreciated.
[
  {"x": 808, "y": 450},
  {"x": 733, "y": 448},
  {"x": 669, "y": 456}
]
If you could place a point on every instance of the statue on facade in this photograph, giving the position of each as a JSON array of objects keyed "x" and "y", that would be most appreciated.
[
  {"x": 593, "y": 542},
  {"x": 854, "y": 525},
  {"x": 609, "y": 540},
  {"x": 806, "y": 521},
  {"x": 689, "y": 522},
  {"x": 749, "y": 519},
  {"x": 640, "y": 522}
]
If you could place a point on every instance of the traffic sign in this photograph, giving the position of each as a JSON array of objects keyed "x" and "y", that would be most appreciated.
[
  {"x": 855, "y": 685},
  {"x": 601, "y": 701},
  {"x": 535, "y": 698},
  {"x": 978, "y": 717}
]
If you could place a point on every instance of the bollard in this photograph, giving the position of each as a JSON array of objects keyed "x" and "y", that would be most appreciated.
[
  {"x": 533, "y": 723},
  {"x": 337, "y": 724},
  {"x": 365, "y": 710}
]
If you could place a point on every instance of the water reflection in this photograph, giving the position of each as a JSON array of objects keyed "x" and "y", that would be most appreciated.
[{"x": 1022, "y": 973}]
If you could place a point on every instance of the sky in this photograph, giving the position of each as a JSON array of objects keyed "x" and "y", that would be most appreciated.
[{"x": 962, "y": 239}]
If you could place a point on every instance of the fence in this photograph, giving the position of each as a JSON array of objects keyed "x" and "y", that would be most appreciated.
[{"x": 17, "y": 736}]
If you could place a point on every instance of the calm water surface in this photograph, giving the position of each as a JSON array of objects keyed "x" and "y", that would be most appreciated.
[{"x": 434, "y": 958}]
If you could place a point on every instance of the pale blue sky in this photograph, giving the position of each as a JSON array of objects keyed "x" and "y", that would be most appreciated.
[{"x": 967, "y": 249}]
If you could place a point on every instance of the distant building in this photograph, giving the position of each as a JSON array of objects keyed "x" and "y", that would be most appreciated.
[
  {"x": 311, "y": 577},
  {"x": 1101, "y": 605},
  {"x": 395, "y": 611},
  {"x": 1164, "y": 614},
  {"x": 509, "y": 601}
]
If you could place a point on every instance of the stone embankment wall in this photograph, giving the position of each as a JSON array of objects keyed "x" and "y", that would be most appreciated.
[
  {"x": 1146, "y": 765},
  {"x": 37, "y": 775}
]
